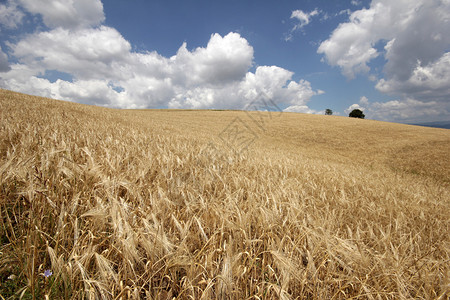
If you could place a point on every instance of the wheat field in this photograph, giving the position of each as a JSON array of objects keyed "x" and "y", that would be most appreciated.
[{"x": 99, "y": 203}]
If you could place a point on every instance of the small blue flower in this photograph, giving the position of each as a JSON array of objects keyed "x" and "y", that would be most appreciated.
[{"x": 48, "y": 273}]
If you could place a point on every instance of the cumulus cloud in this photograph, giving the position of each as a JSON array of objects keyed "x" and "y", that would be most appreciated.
[
  {"x": 67, "y": 13},
  {"x": 364, "y": 101},
  {"x": 224, "y": 59},
  {"x": 409, "y": 110},
  {"x": 10, "y": 14},
  {"x": 271, "y": 81},
  {"x": 350, "y": 46},
  {"x": 352, "y": 107},
  {"x": 403, "y": 110},
  {"x": 85, "y": 53},
  {"x": 413, "y": 38},
  {"x": 95, "y": 64},
  {"x": 411, "y": 30},
  {"x": 103, "y": 70},
  {"x": 426, "y": 81}
]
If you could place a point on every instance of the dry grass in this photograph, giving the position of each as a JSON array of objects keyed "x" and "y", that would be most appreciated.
[{"x": 155, "y": 205}]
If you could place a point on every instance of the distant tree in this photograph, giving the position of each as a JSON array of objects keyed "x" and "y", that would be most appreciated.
[
  {"x": 328, "y": 112},
  {"x": 357, "y": 113}
]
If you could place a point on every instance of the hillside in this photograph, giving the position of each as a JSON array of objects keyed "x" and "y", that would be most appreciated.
[
  {"x": 442, "y": 124},
  {"x": 156, "y": 204}
]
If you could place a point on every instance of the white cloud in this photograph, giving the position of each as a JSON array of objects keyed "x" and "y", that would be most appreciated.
[
  {"x": 344, "y": 12},
  {"x": 105, "y": 71},
  {"x": 350, "y": 46},
  {"x": 97, "y": 92},
  {"x": 303, "y": 17},
  {"x": 413, "y": 38},
  {"x": 409, "y": 111},
  {"x": 85, "y": 53},
  {"x": 10, "y": 15},
  {"x": 67, "y": 14},
  {"x": 372, "y": 77},
  {"x": 352, "y": 107},
  {"x": 99, "y": 66},
  {"x": 276, "y": 83},
  {"x": 415, "y": 29},
  {"x": 426, "y": 82},
  {"x": 271, "y": 81},
  {"x": 267, "y": 79},
  {"x": 404, "y": 110},
  {"x": 301, "y": 109},
  {"x": 364, "y": 101},
  {"x": 223, "y": 60}
]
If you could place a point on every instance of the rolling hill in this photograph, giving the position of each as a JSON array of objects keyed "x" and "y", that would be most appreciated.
[
  {"x": 188, "y": 204},
  {"x": 442, "y": 124}
]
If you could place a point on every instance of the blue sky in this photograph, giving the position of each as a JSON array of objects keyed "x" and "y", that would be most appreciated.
[{"x": 389, "y": 58}]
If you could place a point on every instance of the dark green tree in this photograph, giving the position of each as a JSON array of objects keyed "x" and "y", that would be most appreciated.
[
  {"x": 357, "y": 113},
  {"x": 328, "y": 112}
]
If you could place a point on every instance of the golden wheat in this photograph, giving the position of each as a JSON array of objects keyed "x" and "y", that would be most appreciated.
[{"x": 161, "y": 204}]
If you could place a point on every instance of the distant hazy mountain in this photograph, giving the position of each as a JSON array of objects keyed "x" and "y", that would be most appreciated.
[{"x": 441, "y": 124}]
